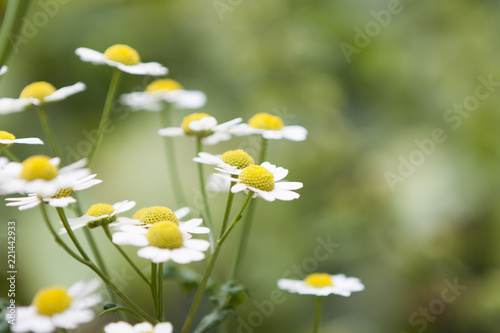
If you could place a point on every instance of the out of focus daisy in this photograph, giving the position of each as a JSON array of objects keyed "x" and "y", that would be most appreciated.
[
  {"x": 321, "y": 284},
  {"x": 164, "y": 91},
  {"x": 36, "y": 94},
  {"x": 270, "y": 127},
  {"x": 7, "y": 139},
  {"x": 122, "y": 57},
  {"x": 58, "y": 307}
]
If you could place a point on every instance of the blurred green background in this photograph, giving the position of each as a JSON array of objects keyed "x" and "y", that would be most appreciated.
[{"x": 437, "y": 224}]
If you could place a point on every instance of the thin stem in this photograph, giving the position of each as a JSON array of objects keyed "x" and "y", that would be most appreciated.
[
  {"x": 210, "y": 266},
  {"x": 172, "y": 166},
  {"x": 113, "y": 88},
  {"x": 10, "y": 155},
  {"x": 247, "y": 226},
  {"x": 47, "y": 130},
  {"x": 208, "y": 218},
  {"x": 124, "y": 255},
  {"x": 160, "y": 292},
  {"x": 62, "y": 216},
  {"x": 11, "y": 22},
  {"x": 229, "y": 203},
  {"x": 154, "y": 285},
  {"x": 317, "y": 313}
]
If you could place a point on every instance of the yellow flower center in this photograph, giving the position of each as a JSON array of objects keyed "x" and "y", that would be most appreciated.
[
  {"x": 6, "y": 136},
  {"x": 38, "y": 167},
  {"x": 193, "y": 117},
  {"x": 123, "y": 54},
  {"x": 50, "y": 301},
  {"x": 257, "y": 177},
  {"x": 100, "y": 209},
  {"x": 237, "y": 158},
  {"x": 63, "y": 193},
  {"x": 156, "y": 214},
  {"x": 319, "y": 280},
  {"x": 38, "y": 90},
  {"x": 138, "y": 214},
  {"x": 165, "y": 235},
  {"x": 163, "y": 84},
  {"x": 266, "y": 121}
]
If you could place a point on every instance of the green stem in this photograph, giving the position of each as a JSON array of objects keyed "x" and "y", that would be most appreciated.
[
  {"x": 172, "y": 166},
  {"x": 317, "y": 313},
  {"x": 62, "y": 216},
  {"x": 139, "y": 312},
  {"x": 10, "y": 155},
  {"x": 11, "y": 22},
  {"x": 247, "y": 226},
  {"x": 208, "y": 218},
  {"x": 229, "y": 203},
  {"x": 124, "y": 255},
  {"x": 210, "y": 266},
  {"x": 113, "y": 88},
  {"x": 47, "y": 130},
  {"x": 153, "y": 287},
  {"x": 160, "y": 292}
]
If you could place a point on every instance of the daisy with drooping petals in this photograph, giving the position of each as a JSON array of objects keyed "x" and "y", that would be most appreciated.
[
  {"x": 270, "y": 127},
  {"x": 164, "y": 91},
  {"x": 203, "y": 126},
  {"x": 56, "y": 307},
  {"x": 122, "y": 57},
  {"x": 321, "y": 284},
  {"x": 40, "y": 175},
  {"x": 7, "y": 139},
  {"x": 63, "y": 198},
  {"x": 99, "y": 215},
  {"x": 264, "y": 180},
  {"x": 36, "y": 94},
  {"x": 123, "y": 327},
  {"x": 165, "y": 240}
]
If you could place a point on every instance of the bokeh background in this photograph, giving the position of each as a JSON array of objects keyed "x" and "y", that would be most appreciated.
[{"x": 436, "y": 225}]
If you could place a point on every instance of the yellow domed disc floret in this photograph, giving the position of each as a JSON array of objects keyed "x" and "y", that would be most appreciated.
[
  {"x": 123, "y": 54},
  {"x": 38, "y": 90},
  {"x": 6, "y": 136},
  {"x": 100, "y": 209},
  {"x": 237, "y": 158},
  {"x": 193, "y": 117},
  {"x": 156, "y": 214},
  {"x": 63, "y": 193},
  {"x": 50, "y": 301},
  {"x": 266, "y": 121},
  {"x": 163, "y": 84},
  {"x": 257, "y": 177},
  {"x": 319, "y": 280},
  {"x": 165, "y": 235},
  {"x": 38, "y": 167}
]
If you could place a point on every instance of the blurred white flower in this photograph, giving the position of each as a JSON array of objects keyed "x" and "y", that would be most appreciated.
[
  {"x": 123, "y": 327},
  {"x": 321, "y": 284},
  {"x": 270, "y": 127}
]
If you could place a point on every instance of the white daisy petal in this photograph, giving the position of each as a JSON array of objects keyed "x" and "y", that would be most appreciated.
[
  {"x": 30, "y": 141},
  {"x": 238, "y": 187},
  {"x": 163, "y": 328},
  {"x": 182, "y": 212},
  {"x": 197, "y": 244},
  {"x": 11, "y": 105},
  {"x": 62, "y": 93},
  {"x": 294, "y": 133},
  {"x": 90, "y": 55},
  {"x": 148, "y": 68},
  {"x": 285, "y": 195},
  {"x": 289, "y": 185},
  {"x": 143, "y": 327},
  {"x": 129, "y": 238},
  {"x": 119, "y": 327}
]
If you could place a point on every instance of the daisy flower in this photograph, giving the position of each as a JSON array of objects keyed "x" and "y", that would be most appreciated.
[
  {"x": 63, "y": 198},
  {"x": 40, "y": 175},
  {"x": 164, "y": 239},
  {"x": 36, "y": 94},
  {"x": 204, "y": 126},
  {"x": 58, "y": 307},
  {"x": 123, "y": 327},
  {"x": 321, "y": 284},
  {"x": 270, "y": 127},
  {"x": 99, "y": 215},
  {"x": 238, "y": 159},
  {"x": 164, "y": 91},
  {"x": 7, "y": 139},
  {"x": 122, "y": 57},
  {"x": 264, "y": 180}
]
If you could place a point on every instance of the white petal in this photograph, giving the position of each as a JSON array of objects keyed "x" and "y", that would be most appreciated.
[
  {"x": 272, "y": 135},
  {"x": 171, "y": 131},
  {"x": 123, "y": 206},
  {"x": 226, "y": 126},
  {"x": 29, "y": 141},
  {"x": 185, "y": 255},
  {"x": 203, "y": 124},
  {"x": 154, "y": 254},
  {"x": 11, "y": 105},
  {"x": 90, "y": 55},
  {"x": 141, "y": 101},
  {"x": 163, "y": 328},
  {"x": 61, "y": 202},
  {"x": 268, "y": 196},
  {"x": 119, "y": 327},
  {"x": 65, "y": 92},
  {"x": 186, "y": 99},
  {"x": 182, "y": 212},
  {"x": 129, "y": 238},
  {"x": 216, "y": 138},
  {"x": 270, "y": 167},
  {"x": 3, "y": 70},
  {"x": 244, "y": 129},
  {"x": 238, "y": 188},
  {"x": 148, "y": 68},
  {"x": 197, "y": 244},
  {"x": 143, "y": 327},
  {"x": 288, "y": 185},
  {"x": 294, "y": 133},
  {"x": 285, "y": 195},
  {"x": 279, "y": 173}
]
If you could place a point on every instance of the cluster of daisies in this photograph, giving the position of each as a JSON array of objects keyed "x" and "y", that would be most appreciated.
[{"x": 160, "y": 233}]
